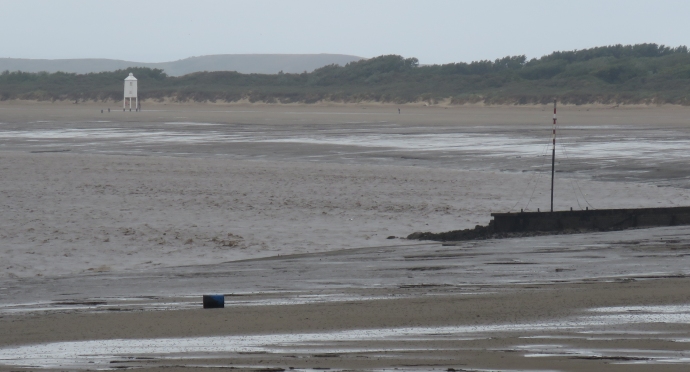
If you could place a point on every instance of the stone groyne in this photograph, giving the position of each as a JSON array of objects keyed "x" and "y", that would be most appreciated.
[{"x": 506, "y": 225}]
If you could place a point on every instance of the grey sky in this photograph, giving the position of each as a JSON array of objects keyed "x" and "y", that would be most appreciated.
[{"x": 433, "y": 31}]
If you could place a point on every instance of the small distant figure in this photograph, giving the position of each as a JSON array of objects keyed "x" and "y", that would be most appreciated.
[
  {"x": 101, "y": 111},
  {"x": 398, "y": 111},
  {"x": 108, "y": 109}
]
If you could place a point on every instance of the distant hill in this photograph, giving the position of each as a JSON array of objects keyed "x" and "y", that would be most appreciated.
[
  {"x": 242, "y": 63},
  {"x": 628, "y": 74}
]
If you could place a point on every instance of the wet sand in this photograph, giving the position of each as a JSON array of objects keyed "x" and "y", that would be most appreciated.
[
  {"x": 605, "y": 301},
  {"x": 570, "y": 328},
  {"x": 114, "y": 224}
]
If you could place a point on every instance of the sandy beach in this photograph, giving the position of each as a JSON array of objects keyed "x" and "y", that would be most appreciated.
[{"x": 112, "y": 225}]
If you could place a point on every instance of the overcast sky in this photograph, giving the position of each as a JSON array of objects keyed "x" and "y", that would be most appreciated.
[{"x": 433, "y": 31}]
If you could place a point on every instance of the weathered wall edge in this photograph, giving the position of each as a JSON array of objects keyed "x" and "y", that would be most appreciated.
[{"x": 599, "y": 219}]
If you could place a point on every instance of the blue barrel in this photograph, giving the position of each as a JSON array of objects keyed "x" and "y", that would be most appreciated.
[{"x": 214, "y": 301}]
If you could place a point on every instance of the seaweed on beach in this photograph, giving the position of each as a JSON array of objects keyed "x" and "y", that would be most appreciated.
[
  {"x": 478, "y": 232},
  {"x": 482, "y": 233}
]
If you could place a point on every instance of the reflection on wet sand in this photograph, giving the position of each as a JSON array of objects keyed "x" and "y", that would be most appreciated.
[{"x": 640, "y": 325}]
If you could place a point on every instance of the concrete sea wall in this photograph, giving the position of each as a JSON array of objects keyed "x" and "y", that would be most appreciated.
[{"x": 600, "y": 219}]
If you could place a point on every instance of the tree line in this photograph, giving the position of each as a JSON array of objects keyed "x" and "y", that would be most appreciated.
[{"x": 642, "y": 73}]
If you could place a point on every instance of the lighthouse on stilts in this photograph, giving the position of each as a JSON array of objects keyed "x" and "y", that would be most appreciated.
[{"x": 131, "y": 92}]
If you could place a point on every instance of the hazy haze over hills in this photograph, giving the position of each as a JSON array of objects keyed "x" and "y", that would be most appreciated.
[{"x": 243, "y": 63}]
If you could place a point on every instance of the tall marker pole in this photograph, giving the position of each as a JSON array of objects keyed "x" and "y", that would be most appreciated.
[{"x": 553, "y": 152}]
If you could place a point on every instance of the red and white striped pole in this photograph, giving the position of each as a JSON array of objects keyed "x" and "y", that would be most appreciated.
[{"x": 553, "y": 152}]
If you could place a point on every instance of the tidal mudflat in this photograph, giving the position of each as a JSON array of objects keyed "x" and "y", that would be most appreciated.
[{"x": 113, "y": 225}]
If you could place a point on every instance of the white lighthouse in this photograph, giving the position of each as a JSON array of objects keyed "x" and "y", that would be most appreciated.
[{"x": 131, "y": 92}]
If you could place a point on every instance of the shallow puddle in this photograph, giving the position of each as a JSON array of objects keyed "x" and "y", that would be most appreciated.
[
  {"x": 185, "y": 303},
  {"x": 84, "y": 354},
  {"x": 481, "y": 144}
]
